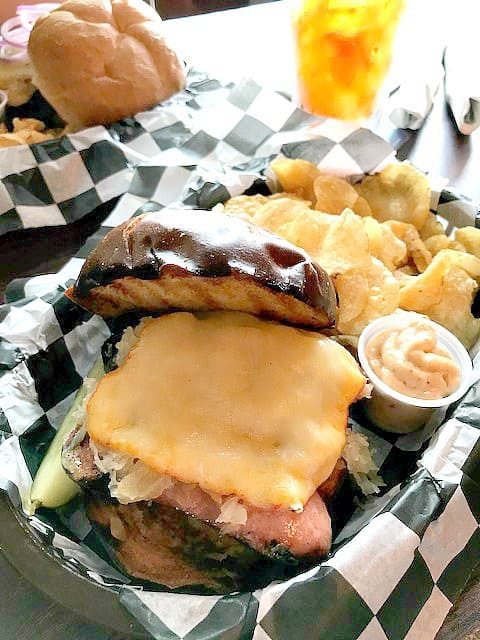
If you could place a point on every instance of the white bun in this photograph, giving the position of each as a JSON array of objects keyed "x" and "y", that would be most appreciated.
[{"x": 98, "y": 61}]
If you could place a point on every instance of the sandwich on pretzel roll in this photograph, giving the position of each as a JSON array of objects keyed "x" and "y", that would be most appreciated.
[
  {"x": 98, "y": 61},
  {"x": 225, "y": 402}
]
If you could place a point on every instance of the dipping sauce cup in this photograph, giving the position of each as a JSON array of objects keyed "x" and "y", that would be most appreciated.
[
  {"x": 343, "y": 51},
  {"x": 396, "y": 412}
]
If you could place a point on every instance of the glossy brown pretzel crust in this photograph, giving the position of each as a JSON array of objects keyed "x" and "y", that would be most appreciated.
[{"x": 198, "y": 260}]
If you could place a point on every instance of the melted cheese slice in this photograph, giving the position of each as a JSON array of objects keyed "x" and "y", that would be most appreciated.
[{"x": 233, "y": 403}]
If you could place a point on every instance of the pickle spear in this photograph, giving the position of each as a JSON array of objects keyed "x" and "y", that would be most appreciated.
[{"x": 52, "y": 487}]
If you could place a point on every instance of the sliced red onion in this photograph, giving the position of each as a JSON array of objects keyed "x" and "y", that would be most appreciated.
[
  {"x": 37, "y": 9},
  {"x": 17, "y": 37},
  {"x": 27, "y": 22},
  {"x": 7, "y": 53},
  {"x": 15, "y": 31}
]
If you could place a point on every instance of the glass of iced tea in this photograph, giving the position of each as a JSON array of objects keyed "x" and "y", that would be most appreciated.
[{"x": 343, "y": 53}]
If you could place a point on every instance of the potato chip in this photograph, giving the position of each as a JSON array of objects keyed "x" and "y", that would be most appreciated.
[
  {"x": 345, "y": 245},
  {"x": 244, "y": 206},
  {"x": 26, "y": 131},
  {"x": 399, "y": 192},
  {"x": 407, "y": 270},
  {"x": 292, "y": 196},
  {"x": 296, "y": 176},
  {"x": 28, "y": 124},
  {"x": 337, "y": 243},
  {"x": 34, "y": 137},
  {"x": 10, "y": 140},
  {"x": 352, "y": 292},
  {"x": 416, "y": 249},
  {"x": 384, "y": 244},
  {"x": 418, "y": 252},
  {"x": 279, "y": 211},
  {"x": 445, "y": 293},
  {"x": 383, "y": 291},
  {"x": 308, "y": 230},
  {"x": 374, "y": 233},
  {"x": 405, "y": 274},
  {"x": 431, "y": 227},
  {"x": 455, "y": 310},
  {"x": 333, "y": 194},
  {"x": 469, "y": 238},
  {"x": 361, "y": 207},
  {"x": 434, "y": 244},
  {"x": 457, "y": 246}
]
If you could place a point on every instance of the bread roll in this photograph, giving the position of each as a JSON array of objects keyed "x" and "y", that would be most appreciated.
[
  {"x": 201, "y": 261},
  {"x": 98, "y": 61}
]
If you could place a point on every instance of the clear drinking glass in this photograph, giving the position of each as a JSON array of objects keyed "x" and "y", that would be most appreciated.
[{"x": 343, "y": 52}]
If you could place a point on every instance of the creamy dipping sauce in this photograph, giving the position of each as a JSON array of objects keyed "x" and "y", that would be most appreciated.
[{"x": 408, "y": 359}]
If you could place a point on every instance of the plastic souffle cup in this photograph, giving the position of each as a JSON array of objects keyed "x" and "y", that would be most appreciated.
[{"x": 393, "y": 411}]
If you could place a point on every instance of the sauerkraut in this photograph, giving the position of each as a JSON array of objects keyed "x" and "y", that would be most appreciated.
[
  {"x": 232, "y": 512},
  {"x": 360, "y": 463},
  {"x": 130, "y": 479},
  {"x": 128, "y": 340}
]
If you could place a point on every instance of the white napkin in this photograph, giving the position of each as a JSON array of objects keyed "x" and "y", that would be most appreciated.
[
  {"x": 462, "y": 83},
  {"x": 412, "y": 102},
  {"x": 417, "y": 63}
]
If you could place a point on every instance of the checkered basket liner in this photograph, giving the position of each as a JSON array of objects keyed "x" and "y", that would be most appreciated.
[
  {"x": 59, "y": 181},
  {"x": 402, "y": 559}
]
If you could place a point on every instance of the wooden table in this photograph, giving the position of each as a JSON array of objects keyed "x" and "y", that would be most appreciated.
[{"x": 254, "y": 41}]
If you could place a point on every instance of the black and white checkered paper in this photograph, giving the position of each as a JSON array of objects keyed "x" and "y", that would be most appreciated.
[
  {"x": 402, "y": 559},
  {"x": 210, "y": 123}
]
